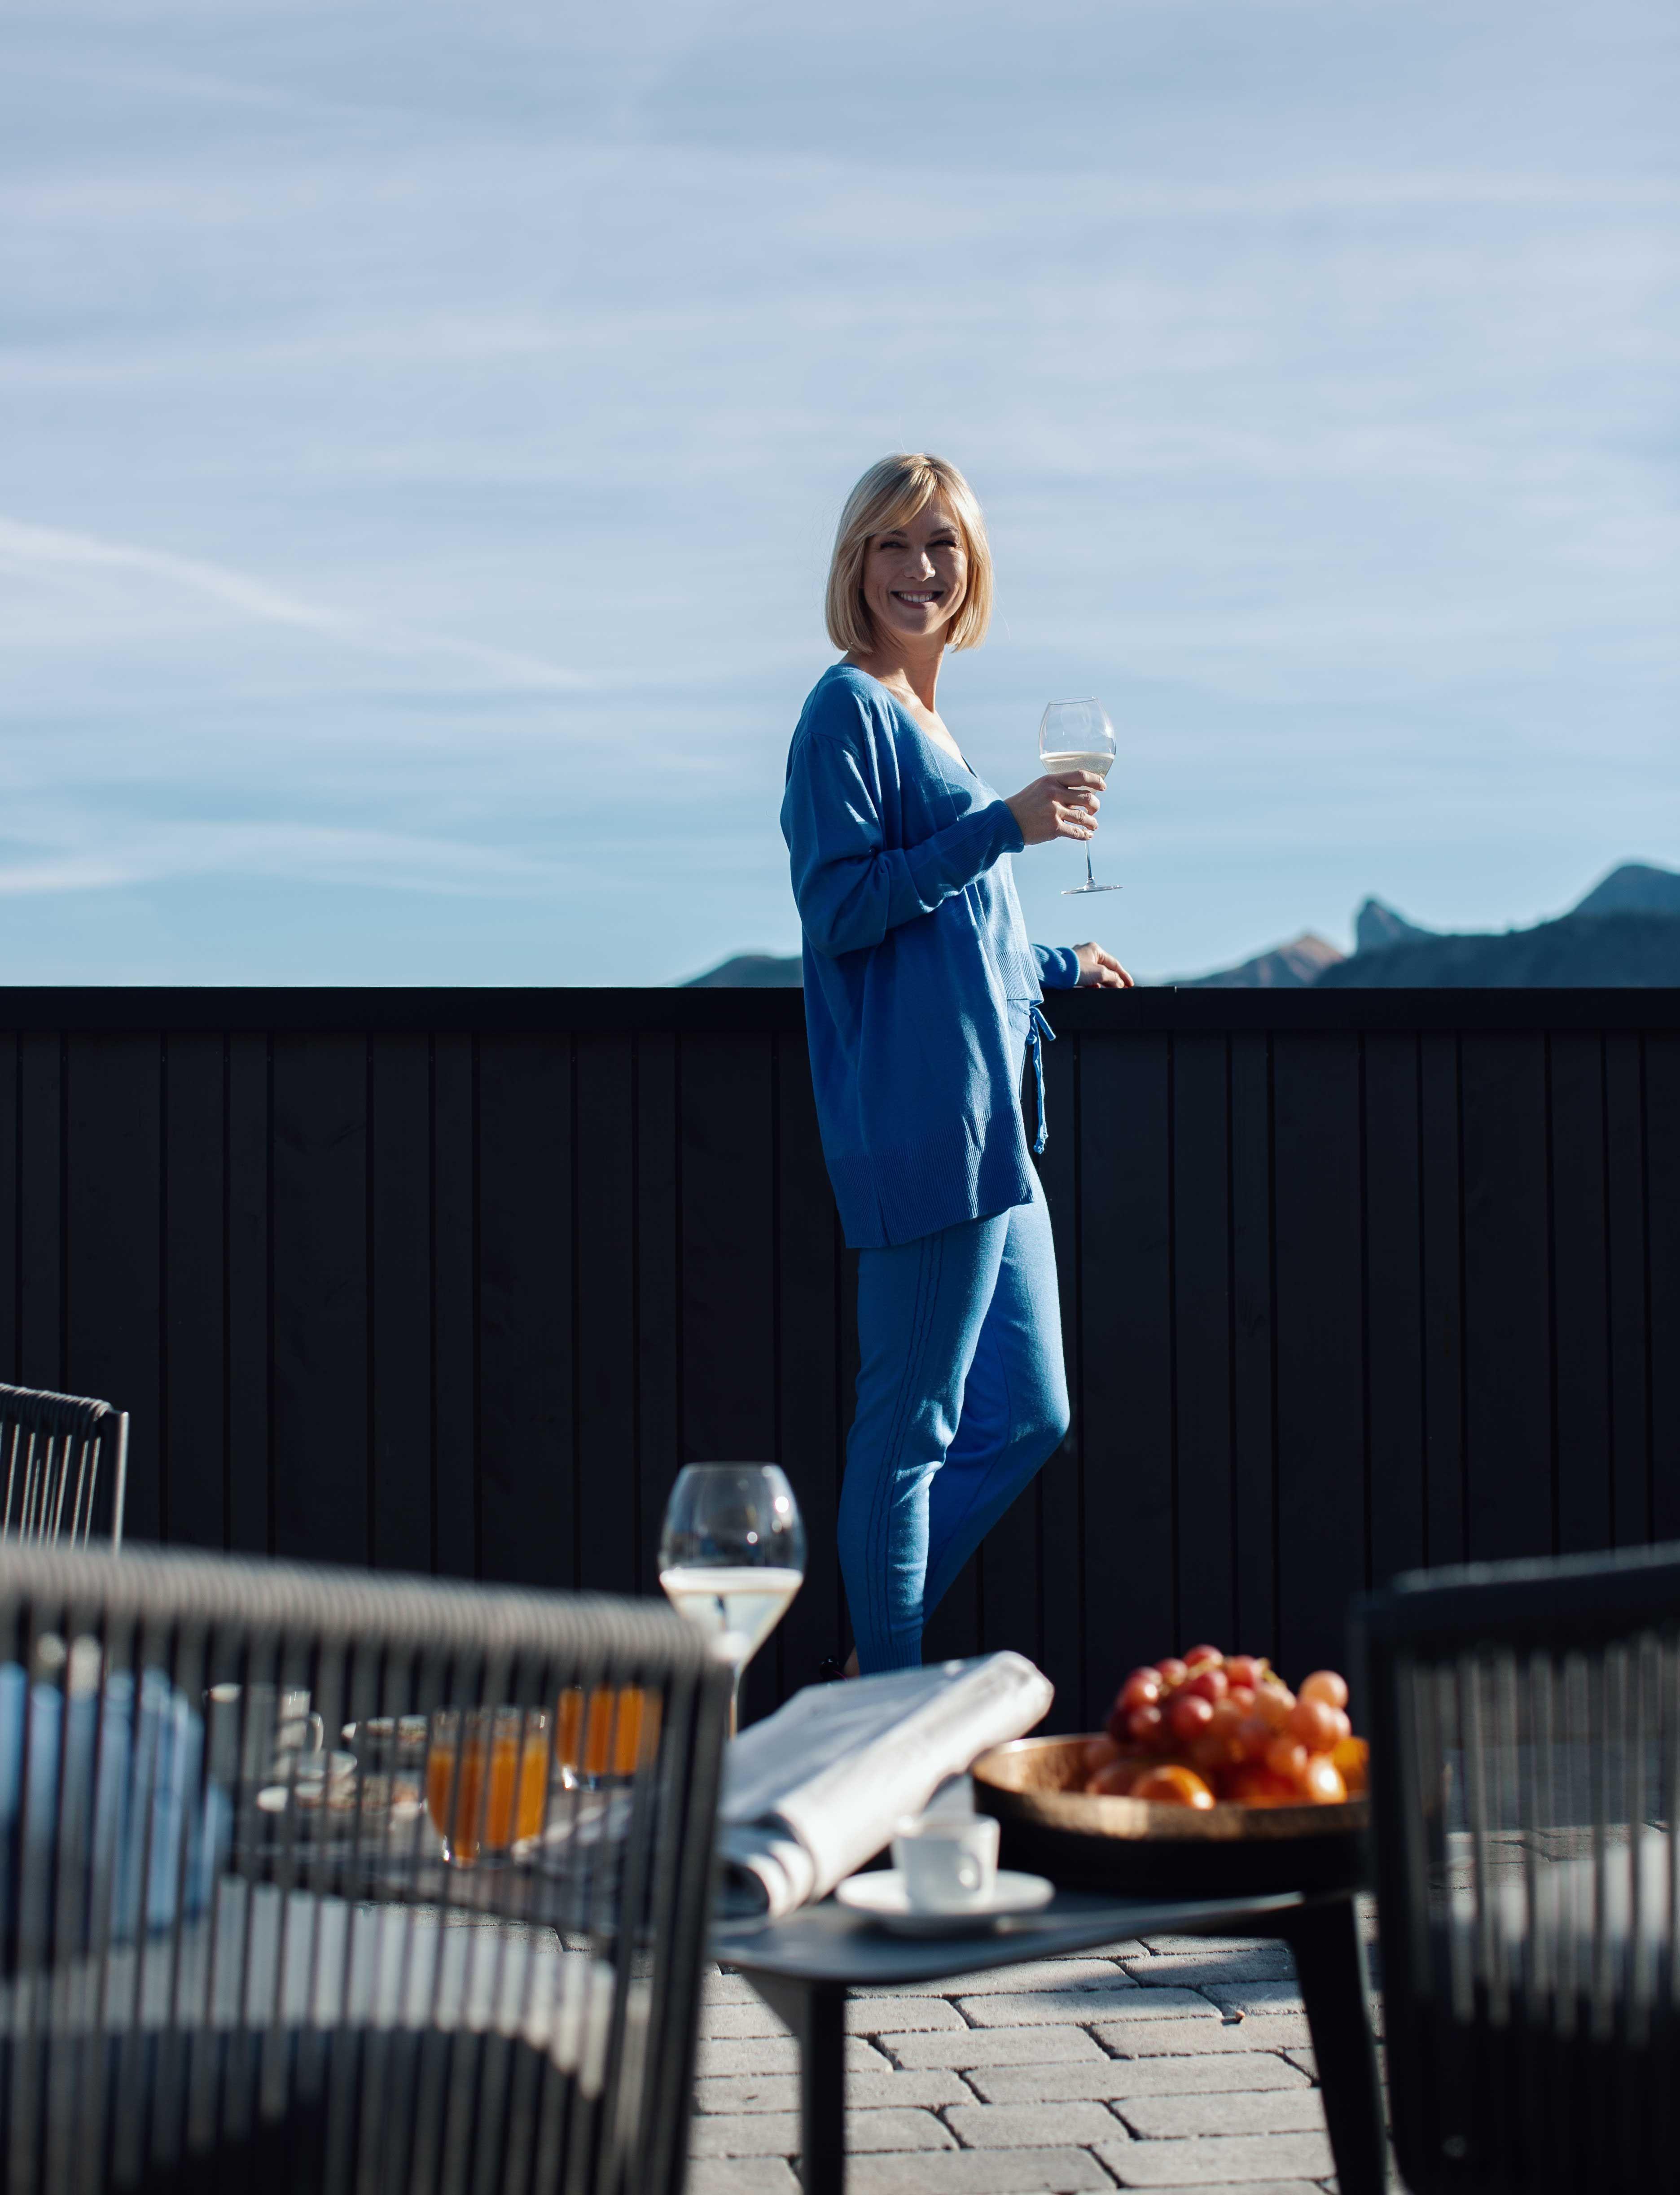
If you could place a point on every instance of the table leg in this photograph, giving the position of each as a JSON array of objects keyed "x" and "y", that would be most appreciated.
[
  {"x": 1329, "y": 1960},
  {"x": 815, "y": 2012}
]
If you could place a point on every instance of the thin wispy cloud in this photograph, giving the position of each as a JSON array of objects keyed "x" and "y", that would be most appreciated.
[
  {"x": 46, "y": 855},
  {"x": 44, "y": 549},
  {"x": 36, "y": 550}
]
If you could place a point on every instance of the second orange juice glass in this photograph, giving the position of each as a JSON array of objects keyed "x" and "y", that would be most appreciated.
[{"x": 487, "y": 1780}]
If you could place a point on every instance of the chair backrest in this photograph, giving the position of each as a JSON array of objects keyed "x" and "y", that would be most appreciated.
[
  {"x": 312, "y": 1880},
  {"x": 1525, "y": 1727},
  {"x": 63, "y": 1466}
]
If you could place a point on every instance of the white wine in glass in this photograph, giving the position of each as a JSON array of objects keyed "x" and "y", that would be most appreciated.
[
  {"x": 731, "y": 1556},
  {"x": 1078, "y": 735}
]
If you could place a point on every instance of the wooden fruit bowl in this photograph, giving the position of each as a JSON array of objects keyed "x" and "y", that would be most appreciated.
[{"x": 1052, "y": 1826}]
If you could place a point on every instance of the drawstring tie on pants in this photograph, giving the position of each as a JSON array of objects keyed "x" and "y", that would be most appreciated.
[{"x": 1037, "y": 1026}]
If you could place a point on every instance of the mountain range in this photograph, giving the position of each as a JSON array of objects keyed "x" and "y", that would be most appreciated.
[{"x": 1626, "y": 931}]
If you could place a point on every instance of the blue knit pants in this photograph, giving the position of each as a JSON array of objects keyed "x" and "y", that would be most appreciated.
[{"x": 961, "y": 1397}]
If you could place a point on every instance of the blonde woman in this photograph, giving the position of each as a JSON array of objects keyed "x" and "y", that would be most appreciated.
[{"x": 922, "y": 1004}]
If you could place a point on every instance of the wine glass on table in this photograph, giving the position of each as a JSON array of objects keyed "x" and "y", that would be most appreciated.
[
  {"x": 1078, "y": 735},
  {"x": 731, "y": 1556}
]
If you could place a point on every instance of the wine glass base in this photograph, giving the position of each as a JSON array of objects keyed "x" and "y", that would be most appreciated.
[{"x": 1074, "y": 890}]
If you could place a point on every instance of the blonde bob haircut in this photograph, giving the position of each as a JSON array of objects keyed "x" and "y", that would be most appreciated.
[{"x": 890, "y": 494}]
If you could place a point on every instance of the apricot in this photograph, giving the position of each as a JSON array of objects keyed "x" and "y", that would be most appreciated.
[
  {"x": 1324, "y": 1787},
  {"x": 1353, "y": 1759},
  {"x": 1172, "y": 1784}
]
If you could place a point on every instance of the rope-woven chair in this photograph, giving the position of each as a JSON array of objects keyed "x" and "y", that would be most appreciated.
[
  {"x": 1525, "y": 1725},
  {"x": 63, "y": 1466},
  {"x": 234, "y": 1954}
]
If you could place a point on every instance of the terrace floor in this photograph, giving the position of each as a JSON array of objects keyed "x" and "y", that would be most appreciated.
[{"x": 1174, "y": 2061}]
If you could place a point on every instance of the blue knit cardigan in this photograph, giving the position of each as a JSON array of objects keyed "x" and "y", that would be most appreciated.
[{"x": 915, "y": 948}]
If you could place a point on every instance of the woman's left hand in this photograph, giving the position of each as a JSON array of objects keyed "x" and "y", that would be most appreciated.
[{"x": 1100, "y": 970}]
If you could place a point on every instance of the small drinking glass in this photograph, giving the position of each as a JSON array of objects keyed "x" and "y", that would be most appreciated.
[
  {"x": 487, "y": 1780},
  {"x": 731, "y": 1556},
  {"x": 607, "y": 1737},
  {"x": 1078, "y": 735}
]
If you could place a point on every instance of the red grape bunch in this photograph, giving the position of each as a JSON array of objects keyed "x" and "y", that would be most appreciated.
[{"x": 1210, "y": 1726}]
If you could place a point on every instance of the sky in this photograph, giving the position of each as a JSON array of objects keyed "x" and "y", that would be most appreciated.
[{"x": 422, "y": 430}]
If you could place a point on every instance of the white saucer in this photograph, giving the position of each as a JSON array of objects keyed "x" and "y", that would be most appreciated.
[{"x": 882, "y": 1896}]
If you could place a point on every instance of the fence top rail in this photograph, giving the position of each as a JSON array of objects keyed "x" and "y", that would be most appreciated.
[{"x": 628, "y": 1010}]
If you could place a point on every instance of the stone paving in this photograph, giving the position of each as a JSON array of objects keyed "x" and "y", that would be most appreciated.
[{"x": 1180, "y": 2062}]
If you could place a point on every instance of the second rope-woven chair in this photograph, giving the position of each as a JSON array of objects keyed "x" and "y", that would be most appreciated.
[
  {"x": 1526, "y": 1781},
  {"x": 63, "y": 1466}
]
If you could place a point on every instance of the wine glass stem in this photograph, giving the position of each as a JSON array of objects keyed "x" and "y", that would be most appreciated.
[
  {"x": 735, "y": 1699},
  {"x": 1089, "y": 879}
]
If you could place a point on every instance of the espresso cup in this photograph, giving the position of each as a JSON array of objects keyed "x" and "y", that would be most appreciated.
[{"x": 947, "y": 1863}]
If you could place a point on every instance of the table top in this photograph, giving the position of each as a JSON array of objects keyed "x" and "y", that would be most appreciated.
[{"x": 828, "y": 1943}]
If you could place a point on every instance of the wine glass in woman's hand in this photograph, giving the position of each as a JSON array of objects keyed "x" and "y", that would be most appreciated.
[{"x": 1078, "y": 735}]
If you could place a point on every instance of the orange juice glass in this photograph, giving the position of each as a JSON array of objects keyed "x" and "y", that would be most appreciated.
[
  {"x": 487, "y": 1780},
  {"x": 613, "y": 1734}
]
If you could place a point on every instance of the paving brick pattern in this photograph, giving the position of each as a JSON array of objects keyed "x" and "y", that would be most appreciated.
[{"x": 1176, "y": 2062}]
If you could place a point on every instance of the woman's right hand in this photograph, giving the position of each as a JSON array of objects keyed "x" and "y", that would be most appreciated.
[{"x": 1063, "y": 807}]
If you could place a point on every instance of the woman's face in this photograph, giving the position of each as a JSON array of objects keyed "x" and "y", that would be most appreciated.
[{"x": 915, "y": 577}]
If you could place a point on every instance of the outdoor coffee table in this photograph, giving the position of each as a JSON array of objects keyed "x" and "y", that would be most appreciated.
[{"x": 804, "y": 1965}]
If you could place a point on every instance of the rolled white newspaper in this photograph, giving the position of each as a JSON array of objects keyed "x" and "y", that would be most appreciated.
[{"x": 816, "y": 1788}]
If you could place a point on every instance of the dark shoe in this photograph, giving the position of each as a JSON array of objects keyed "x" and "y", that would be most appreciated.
[{"x": 830, "y": 1670}]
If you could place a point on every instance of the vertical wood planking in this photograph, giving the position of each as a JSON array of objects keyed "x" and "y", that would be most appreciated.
[
  {"x": 455, "y": 1490},
  {"x": 1006, "y": 1573},
  {"x": 957, "y": 1628},
  {"x": 1579, "y": 1273},
  {"x": 1126, "y": 1347},
  {"x": 10, "y": 1152},
  {"x": 1204, "y": 1494},
  {"x": 1625, "y": 1206},
  {"x": 1321, "y": 1522},
  {"x": 193, "y": 1429},
  {"x": 1394, "y": 1306},
  {"x": 608, "y": 1494},
  {"x": 1507, "y": 1302},
  {"x": 658, "y": 1317},
  {"x": 1662, "y": 1190},
  {"x": 113, "y": 1263},
  {"x": 400, "y": 1301},
  {"x": 1056, "y": 1493},
  {"x": 727, "y": 1132},
  {"x": 1441, "y": 1211},
  {"x": 1253, "y": 1457},
  {"x": 528, "y": 1489},
  {"x": 41, "y": 1219},
  {"x": 808, "y": 1400},
  {"x": 247, "y": 1248},
  {"x": 320, "y": 1254}
]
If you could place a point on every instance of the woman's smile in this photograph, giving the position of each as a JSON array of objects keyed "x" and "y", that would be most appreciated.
[{"x": 916, "y": 576}]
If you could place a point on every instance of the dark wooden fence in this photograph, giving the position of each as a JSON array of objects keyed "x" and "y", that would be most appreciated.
[{"x": 455, "y": 1280}]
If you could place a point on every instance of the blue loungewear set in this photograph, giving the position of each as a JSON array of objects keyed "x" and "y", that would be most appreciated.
[{"x": 922, "y": 997}]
